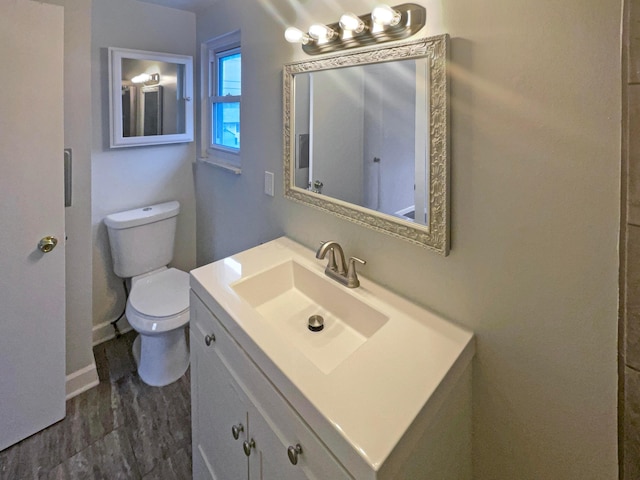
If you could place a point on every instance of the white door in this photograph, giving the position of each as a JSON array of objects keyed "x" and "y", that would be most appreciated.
[
  {"x": 389, "y": 122},
  {"x": 336, "y": 158},
  {"x": 32, "y": 294}
]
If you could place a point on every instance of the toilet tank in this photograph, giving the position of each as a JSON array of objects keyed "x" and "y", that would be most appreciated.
[{"x": 142, "y": 239}]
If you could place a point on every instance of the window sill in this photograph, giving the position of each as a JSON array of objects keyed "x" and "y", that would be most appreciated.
[{"x": 225, "y": 166}]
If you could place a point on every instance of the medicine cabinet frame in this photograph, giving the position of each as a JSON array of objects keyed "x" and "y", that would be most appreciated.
[{"x": 184, "y": 98}]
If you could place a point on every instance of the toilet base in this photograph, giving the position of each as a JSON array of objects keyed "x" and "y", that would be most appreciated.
[{"x": 161, "y": 359}]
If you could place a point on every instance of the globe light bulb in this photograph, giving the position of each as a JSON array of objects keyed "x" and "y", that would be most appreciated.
[
  {"x": 385, "y": 15},
  {"x": 351, "y": 22},
  {"x": 295, "y": 35},
  {"x": 321, "y": 32}
]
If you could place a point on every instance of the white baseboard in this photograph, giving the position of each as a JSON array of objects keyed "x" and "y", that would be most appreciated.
[
  {"x": 81, "y": 380},
  {"x": 104, "y": 331}
]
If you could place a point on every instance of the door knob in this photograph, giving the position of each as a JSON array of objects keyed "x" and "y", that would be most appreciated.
[{"x": 48, "y": 243}]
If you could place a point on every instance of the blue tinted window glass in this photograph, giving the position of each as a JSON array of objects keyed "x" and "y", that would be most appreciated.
[{"x": 226, "y": 121}]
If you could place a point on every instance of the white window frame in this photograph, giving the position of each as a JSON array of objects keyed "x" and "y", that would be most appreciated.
[{"x": 218, "y": 155}]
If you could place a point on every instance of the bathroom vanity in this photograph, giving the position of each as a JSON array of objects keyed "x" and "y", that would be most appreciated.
[{"x": 383, "y": 391}]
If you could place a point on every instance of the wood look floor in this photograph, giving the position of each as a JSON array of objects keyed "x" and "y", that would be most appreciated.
[{"x": 121, "y": 429}]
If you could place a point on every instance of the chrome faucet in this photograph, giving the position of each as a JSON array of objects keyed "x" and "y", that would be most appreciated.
[{"x": 336, "y": 267}]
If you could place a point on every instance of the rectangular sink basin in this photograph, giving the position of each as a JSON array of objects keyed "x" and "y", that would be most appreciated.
[{"x": 288, "y": 294}]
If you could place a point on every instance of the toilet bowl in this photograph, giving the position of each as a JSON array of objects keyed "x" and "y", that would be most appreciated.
[
  {"x": 158, "y": 309},
  {"x": 142, "y": 243}
]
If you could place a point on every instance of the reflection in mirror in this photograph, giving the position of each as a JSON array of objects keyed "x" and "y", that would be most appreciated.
[
  {"x": 363, "y": 148},
  {"x": 366, "y": 138},
  {"x": 154, "y": 105},
  {"x": 151, "y": 113}
]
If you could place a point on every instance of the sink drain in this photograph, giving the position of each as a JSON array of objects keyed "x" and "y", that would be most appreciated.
[{"x": 316, "y": 323}]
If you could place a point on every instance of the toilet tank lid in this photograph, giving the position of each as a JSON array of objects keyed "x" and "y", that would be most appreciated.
[{"x": 142, "y": 215}]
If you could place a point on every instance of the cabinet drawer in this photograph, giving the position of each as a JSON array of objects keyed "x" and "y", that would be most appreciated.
[{"x": 278, "y": 419}]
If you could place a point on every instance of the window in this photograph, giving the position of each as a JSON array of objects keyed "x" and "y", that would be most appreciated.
[
  {"x": 221, "y": 115},
  {"x": 225, "y": 100}
]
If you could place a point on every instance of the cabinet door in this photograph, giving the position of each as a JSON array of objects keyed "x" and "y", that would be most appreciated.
[
  {"x": 220, "y": 406},
  {"x": 275, "y": 463},
  {"x": 227, "y": 386}
]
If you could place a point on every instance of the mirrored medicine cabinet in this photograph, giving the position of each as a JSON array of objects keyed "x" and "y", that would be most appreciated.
[{"x": 150, "y": 97}]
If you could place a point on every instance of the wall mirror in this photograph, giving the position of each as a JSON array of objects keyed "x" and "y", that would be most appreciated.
[
  {"x": 366, "y": 138},
  {"x": 150, "y": 98}
]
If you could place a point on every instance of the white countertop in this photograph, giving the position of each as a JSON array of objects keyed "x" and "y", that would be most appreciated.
[{"x": 373, "y": 396}]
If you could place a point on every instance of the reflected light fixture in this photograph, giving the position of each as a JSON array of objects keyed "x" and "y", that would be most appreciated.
[
  {"x": 147, "y": 79},
  {"x": 383, "y": 24}
]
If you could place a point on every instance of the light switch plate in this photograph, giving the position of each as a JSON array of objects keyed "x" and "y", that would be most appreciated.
[{"x": 268, "y": 183}]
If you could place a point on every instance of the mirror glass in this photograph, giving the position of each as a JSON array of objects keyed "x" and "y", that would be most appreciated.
[
  {"x": 366, "y": 138},
  {"x": 150, "y": 98},
  {"x": 363, "y": 147}
]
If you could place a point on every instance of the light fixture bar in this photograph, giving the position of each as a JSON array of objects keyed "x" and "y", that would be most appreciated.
[{"x": 403, "y": 21}]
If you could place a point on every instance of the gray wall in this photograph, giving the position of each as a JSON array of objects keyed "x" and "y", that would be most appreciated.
[
  {"x": 77, "y": 136},
  {"x": 535, "y": 213},
  {"x": 233, "y": 213},
  {"x": 126, "y": 178}
]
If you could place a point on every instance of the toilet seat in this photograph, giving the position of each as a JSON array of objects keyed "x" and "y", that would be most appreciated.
[{"x": 159, "y": 301}]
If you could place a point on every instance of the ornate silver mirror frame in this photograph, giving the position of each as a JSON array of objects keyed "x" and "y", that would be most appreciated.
[{"x": 434, "y": 235}]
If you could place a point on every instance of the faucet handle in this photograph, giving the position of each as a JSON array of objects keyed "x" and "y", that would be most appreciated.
[{"x": 352, "y": 276}]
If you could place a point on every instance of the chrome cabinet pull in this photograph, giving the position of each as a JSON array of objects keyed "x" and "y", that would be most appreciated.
[
  {"x": 236, "y": 430},
  {"x": 247, "y": 445},
  {"x": 293, "y": 453},
  {"x": 209, "y": 339}
]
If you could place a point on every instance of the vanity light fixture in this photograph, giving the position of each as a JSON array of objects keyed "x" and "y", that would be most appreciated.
[
  {"x": 383, "y": 24},
  {"x": 143, "y": 77}
]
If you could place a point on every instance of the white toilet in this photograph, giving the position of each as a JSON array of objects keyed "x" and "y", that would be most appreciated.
[{"x": 142, "y": 242}]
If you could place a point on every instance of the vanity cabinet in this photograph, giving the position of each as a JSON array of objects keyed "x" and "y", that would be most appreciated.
[
  {"x": 242, "y": 426},
  {"x": 382, "y": 393}
]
